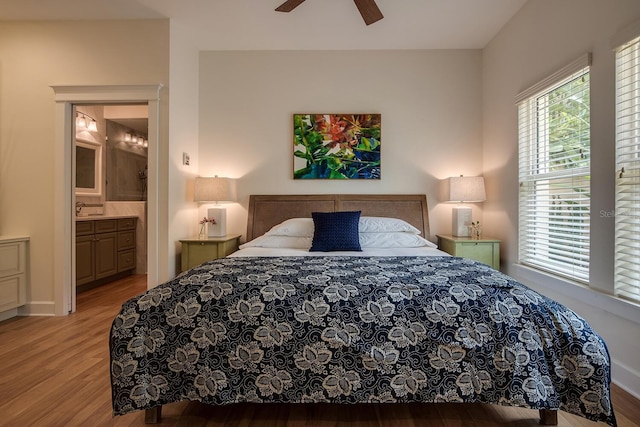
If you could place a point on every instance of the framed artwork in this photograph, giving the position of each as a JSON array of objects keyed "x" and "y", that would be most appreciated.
[{"x": 336, "y": 146}]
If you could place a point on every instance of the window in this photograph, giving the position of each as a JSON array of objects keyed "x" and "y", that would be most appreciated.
[
  {"x": 627, "y": 213},
  {"x": 554, "y": 173}
]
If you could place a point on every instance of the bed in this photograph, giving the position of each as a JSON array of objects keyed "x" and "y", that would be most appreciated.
[{"x": 391, "y": 320}]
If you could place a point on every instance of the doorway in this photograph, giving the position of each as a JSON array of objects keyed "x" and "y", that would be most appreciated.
[
  {"x": 66, "y": 97},
  {"x": 110, "y": 189}
]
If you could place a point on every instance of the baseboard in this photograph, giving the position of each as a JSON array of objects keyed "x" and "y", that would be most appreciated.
[
  {"x": 8, "y": 314},
  {"x": 626, "y": 378},
  {"x": 38, "y": 308}
]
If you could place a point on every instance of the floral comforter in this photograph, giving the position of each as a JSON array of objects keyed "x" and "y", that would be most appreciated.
[{"x": 355, "y": 329}]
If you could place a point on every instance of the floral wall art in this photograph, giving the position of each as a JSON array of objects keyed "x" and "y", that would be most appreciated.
[{"x": 336, "y": 146}]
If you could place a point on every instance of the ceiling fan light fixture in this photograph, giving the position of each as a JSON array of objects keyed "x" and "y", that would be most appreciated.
[
  {"x": 368, "y": 9},
  {"x": 289, "y": 5}
]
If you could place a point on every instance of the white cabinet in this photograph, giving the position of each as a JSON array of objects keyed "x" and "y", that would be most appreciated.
[{"x": 13, "y": 272}]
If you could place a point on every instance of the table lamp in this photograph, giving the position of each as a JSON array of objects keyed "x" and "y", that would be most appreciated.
[
  {"x": 463, "y": 189},
  {"x": 215, "y": 190}
]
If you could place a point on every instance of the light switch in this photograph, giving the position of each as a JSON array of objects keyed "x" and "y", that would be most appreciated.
[{"x": 185, "y": 159}]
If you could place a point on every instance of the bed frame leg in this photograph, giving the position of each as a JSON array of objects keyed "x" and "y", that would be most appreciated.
[
  {"x": 153, "y": 415},
  {"x": 548, "y": 417}
]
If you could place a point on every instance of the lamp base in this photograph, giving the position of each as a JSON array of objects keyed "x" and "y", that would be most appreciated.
[
  {"x": 461, "y": 221},
  {"x": 220, "y": 227}
]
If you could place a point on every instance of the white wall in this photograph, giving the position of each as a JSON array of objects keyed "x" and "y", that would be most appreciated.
[
  {"x": 183, "y": 134},
  {"x": 33, "y": 57},
  {"x": 544, "y": 36},
  {"x": 429, "y": 100}
]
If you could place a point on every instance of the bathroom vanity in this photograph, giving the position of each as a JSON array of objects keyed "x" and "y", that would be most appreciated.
[{"x": 105, "y": 249}]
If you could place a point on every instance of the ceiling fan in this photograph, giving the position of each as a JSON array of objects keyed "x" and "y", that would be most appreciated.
[{"x": 368, "y": 9}]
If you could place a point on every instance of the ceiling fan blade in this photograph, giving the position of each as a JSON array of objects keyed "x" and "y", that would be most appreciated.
[
  {"x": 289, "y": 5},
  {"x": 369, "y": 11}
]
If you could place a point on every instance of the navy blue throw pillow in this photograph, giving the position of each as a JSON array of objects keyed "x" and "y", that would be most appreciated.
[{"x": 335, "y": 231}]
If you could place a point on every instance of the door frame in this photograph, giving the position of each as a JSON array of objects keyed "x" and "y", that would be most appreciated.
[{"x": 66, "y": 97}]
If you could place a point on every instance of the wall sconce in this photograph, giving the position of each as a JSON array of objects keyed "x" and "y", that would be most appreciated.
[
  {"x": 85, "y": 121},
  {"x": 215, "y": 190},
  {"x": 462, "y": 189}
]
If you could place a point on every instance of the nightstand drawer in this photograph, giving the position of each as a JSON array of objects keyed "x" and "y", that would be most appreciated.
[
  {"x": 202, "y": 252},
  {"x": 484, "y": 250},
  {"x": 197, "y": 251}
]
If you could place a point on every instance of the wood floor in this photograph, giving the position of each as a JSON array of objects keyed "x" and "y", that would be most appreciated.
[{"x": 54, "y": 371}]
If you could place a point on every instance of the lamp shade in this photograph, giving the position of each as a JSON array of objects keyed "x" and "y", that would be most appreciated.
[
  {"x": 214, "y": 190},
  {"x": 466, "y": 189}
]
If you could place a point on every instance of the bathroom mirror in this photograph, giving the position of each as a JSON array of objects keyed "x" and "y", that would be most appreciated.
[
  {"x": 126, "y": 160},
  {"x": 88, "y": 168}
]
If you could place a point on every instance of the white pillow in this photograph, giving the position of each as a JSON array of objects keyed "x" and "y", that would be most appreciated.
[
  {"x": 299, "y": 227},
  {"x": 279, "y": 242},
  {"x": 396, "y": 239},
  {"x": 374, "y": 224},
  {"x": 303, "y": 227}
]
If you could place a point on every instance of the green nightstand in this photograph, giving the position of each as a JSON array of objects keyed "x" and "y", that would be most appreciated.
[
  {"x": 484, "y": 249},
  {"x": 195, "y": 251}
]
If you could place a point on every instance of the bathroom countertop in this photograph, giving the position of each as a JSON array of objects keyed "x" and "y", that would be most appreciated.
[{"x": 100, "y": 217}]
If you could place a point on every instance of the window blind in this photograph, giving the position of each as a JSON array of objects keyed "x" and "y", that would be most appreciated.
[
  {"x": 627, "y": 209},
  {"x": 554, "y": 174}
]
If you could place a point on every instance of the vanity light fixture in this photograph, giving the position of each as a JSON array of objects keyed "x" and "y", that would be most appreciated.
[
  {"x": 135, "y": 140},
  {"x": 85, "y": 121},
  {"x": 81, "y": 122},
  {"x": 93, "y": 126}
]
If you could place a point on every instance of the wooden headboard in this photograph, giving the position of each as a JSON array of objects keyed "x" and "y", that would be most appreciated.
[{"x": 265, "y": 211}]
